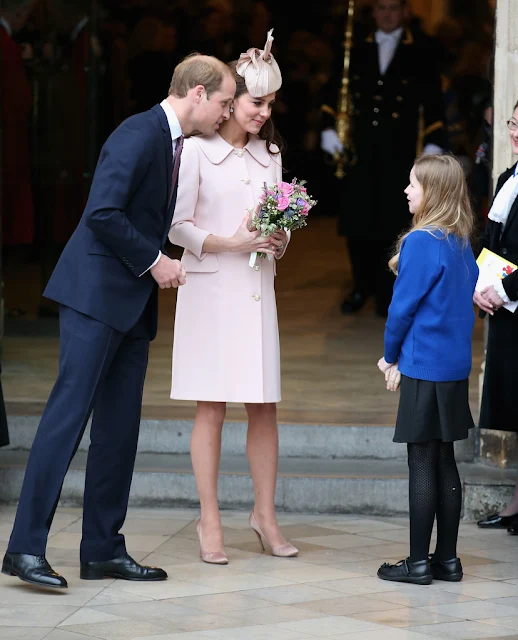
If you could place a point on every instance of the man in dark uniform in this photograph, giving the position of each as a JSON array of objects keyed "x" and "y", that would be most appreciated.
[{"x": 394, "y": 80}]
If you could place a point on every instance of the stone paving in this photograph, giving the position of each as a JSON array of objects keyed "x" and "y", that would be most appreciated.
[{"x": 330, "y": 591}]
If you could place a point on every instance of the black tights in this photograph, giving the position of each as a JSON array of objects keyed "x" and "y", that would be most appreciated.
[{"x": 434, "y": 491}]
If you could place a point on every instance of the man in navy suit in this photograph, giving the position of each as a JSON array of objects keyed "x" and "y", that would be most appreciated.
[{"x": 106, "y": 283}]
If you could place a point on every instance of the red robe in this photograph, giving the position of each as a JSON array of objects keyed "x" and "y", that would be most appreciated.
[{"x": 15, "y": 105}]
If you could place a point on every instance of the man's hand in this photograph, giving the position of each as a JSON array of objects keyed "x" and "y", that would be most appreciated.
[
  {"x": 330, "y": 142},
  {"x": 168, "y": 273}
]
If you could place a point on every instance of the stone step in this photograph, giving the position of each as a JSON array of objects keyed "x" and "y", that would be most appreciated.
[
  {"x": 318, "y": 441},
  {"x": 377, "y": 487}
]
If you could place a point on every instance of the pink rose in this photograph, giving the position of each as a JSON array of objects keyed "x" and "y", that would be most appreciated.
[
  {"x": 283, "y": 203},
  {"x": 286, "y": 188},
  {"x": 305, "y": 210}
]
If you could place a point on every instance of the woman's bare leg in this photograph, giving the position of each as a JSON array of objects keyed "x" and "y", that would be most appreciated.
[{"x": 205, "y": 455}]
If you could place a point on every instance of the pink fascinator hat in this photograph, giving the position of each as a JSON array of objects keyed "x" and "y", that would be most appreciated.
[{"x": 260, "y": 70}]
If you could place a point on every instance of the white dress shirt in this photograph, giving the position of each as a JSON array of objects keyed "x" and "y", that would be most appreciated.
[
  {"x": 176, "y": 132},
  {"x": 387, "y": 45}
]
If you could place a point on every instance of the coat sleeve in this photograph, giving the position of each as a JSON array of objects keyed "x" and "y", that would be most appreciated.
[
  {"x": 123, "y": 163},
  {"x": 184, "y": 232},
  {"x": 278, "y": 177},
  {"x": 419, "y": 268}
]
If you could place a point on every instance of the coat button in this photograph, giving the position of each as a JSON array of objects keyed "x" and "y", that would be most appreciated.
[
  {"x": 376, "y": 110},
  {"x": 240, "y": 153},
  {"x": 256, "y": 267},
  {"x": 399, "y": 98},
  {"x": 380, "y": 82},
  {"x": 504, "y": 251},
  {"x": 375, "y": 123},
  {"x": 257, "y": 297},
  {"x": 395, "y": 115},
  {"x": 246, "y": 180}
]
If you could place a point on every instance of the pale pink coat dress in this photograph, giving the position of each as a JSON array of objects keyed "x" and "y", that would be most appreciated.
[{"x": 226, "y": 336}]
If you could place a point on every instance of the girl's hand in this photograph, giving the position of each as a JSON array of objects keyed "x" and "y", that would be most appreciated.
[
  {"x": 383, "y": 365},
  {"x": 393, "y": 378},
  {"x": 282, "y": 237},
  {"x": 245, "y": 240}
]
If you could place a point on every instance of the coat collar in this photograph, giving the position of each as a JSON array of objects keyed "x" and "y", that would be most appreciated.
[
  {"x": 406, "y": 38},
  {"x": 216, "y": 149}
]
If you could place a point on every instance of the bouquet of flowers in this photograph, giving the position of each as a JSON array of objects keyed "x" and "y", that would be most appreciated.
[{"x": 283, "y": 205}]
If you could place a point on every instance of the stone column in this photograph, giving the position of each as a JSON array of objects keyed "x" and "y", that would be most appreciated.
[{"x": 499, "y": 447}]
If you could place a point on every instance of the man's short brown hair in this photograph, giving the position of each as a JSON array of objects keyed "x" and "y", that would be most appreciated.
[{"x": 196, "y": 69}]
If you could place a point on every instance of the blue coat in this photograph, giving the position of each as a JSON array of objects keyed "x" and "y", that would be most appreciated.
[{"x": 123, "y": 227}]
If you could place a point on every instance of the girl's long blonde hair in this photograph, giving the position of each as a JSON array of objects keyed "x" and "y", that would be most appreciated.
[{"x": 445, "y": 205}]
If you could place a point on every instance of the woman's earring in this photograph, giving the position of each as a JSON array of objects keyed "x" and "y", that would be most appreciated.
[{"x": 231, "y": 109}]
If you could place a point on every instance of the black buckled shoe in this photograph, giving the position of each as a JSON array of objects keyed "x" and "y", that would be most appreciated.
[
  {"x": 448, "y": 570},
  {"x": 354, "y": 303},
  {"x": 32, "y": 569},
  {"x": 496, "y": 521},
  {"x": 124, "y": 568},
  {"x": 418, "y": 572}
]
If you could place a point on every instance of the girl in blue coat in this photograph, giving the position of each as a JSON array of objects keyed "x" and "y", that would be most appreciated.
[{"x": 428, "y": 338}]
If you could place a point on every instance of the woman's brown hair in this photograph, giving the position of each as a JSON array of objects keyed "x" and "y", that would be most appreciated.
[{"x": 268, "y": 131}]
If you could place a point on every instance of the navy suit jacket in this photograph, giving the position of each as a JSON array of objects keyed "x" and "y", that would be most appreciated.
[{"x": 123, "y": 227}]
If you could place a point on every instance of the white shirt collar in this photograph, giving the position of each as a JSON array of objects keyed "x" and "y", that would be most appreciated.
[
  {"x": 6, "y": 26},
  {"x": 393, "y": 35},
  {"x": 172, "y": 119}
]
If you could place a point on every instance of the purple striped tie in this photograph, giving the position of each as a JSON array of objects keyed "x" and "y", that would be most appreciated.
[{"x": 176, "y": 167}]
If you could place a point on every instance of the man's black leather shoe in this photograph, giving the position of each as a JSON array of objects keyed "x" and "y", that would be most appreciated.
[
  {"x": 124, "y": 568},
  {"x": 354, "y": 303},
  {"x": 495, "y": 521},
  {"x": 405, "y": 571},
  {"x": 32, "y": 569},
  {"x": 448, "y": 570}
]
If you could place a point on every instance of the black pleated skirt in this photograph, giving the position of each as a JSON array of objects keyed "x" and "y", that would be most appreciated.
[{"x": 433, "y": 411}]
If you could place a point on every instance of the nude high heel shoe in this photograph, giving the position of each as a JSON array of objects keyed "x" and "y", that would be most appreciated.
[
  {"x": 285, "y": 550},
  {"x": 212, "y": 557}
]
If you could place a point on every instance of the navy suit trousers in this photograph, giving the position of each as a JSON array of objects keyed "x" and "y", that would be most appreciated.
[{"x": 101, "y": 372}]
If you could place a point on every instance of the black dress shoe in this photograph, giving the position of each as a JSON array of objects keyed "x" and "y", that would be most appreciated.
[
  {"x": 124, "y": 568},
  {"x": 32, "y": 569},
  {"x": 418, "y": 572},
  {"x": 354, "y": 303},
  {"x": 448, "y": 570},
  {"x": 495, "y": 521}
]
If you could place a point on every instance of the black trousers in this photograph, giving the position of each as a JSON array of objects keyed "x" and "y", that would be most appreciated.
[
  {"x": 100, "y": 370},
  {"x": 369, "y": 263}
]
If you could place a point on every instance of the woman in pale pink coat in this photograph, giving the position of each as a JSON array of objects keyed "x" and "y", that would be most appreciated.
[{"x": 226, "y": 338}]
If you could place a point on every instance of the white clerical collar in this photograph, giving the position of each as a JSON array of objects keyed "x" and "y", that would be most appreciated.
[
  {"x": 393, "y": 35},
  {"x": 6, "y": 26},
  {"x": 172, "y": 119}
]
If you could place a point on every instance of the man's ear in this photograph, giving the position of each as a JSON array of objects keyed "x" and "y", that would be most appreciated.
[{"x": 199, "y": 93}]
